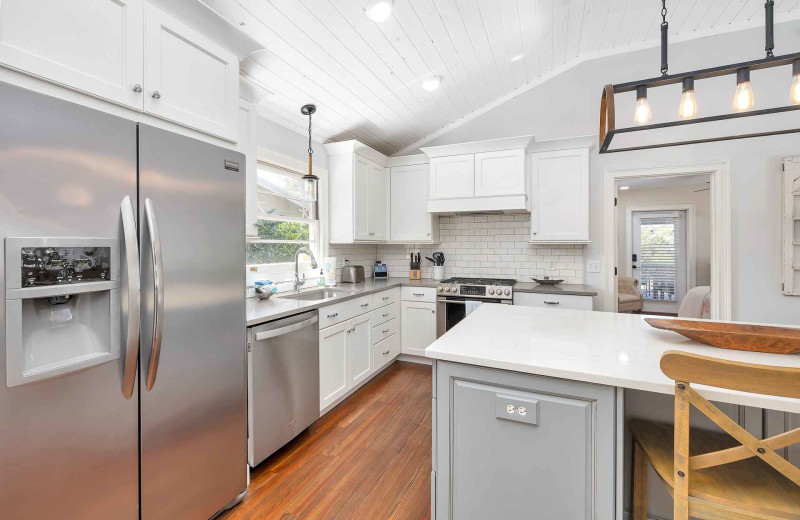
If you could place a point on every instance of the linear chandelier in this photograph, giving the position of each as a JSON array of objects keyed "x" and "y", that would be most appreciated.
[{"x": 743, "y": 98}]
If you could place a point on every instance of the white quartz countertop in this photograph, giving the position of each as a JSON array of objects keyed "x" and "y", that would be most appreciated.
[{"x": 596, "y": 347}]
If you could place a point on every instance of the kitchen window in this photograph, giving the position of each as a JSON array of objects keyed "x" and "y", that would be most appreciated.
[{"x": 284, "y": 222}]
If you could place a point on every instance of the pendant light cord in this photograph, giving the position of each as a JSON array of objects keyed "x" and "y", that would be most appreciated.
[
  {"x": 310, "y": 150},
  {"x": 664, "y": 30}
]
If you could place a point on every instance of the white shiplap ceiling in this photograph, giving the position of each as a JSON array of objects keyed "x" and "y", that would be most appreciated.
[{"x": 365, "y": 77}]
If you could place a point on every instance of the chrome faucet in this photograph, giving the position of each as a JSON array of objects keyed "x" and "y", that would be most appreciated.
[{"x": 298, "y": 282}]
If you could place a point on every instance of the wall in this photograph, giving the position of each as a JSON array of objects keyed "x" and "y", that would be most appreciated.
[
  {"x": 569, "y": 106},
  {"x": 488, "y": 245},
  {"x": 671, "y": 195}
]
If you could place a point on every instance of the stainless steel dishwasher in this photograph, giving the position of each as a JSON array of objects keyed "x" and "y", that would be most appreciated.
[{"x": 282, "y": 382}]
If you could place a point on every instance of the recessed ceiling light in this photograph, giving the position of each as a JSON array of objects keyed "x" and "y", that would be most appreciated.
[
  {"x": 379, "y": 10},
  {"x": 241, "y": 23},
  {"x": 432, "y": 83},
  {"x": 517, "y": 57},
  {"x": 624, "y": 187}
]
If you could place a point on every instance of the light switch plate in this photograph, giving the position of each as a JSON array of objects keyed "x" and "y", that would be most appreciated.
[{"x": 593, "y": 266}]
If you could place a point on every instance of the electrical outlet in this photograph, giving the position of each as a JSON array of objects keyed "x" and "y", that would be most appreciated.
[
  {"x": 593, "y": 266},
  {"x": 551, "y": 265}
]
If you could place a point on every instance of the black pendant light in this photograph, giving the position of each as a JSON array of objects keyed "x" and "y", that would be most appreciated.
[
  {"x": 311, "y": 181},
  {"x": 743, "y": 101}
]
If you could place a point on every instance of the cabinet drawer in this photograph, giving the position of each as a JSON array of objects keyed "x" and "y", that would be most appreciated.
[
  {"x": 385, "y": 351},
  {"x": 386, "y": 297},
  {"x": 333, "y": 314},
  {"x": 384, "y": 330},
  {"x": 554, "y": 301},
  {"x": 385, "y": 314},
  {"x": 419, "y": 294}
]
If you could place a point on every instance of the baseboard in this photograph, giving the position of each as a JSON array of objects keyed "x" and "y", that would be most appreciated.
[
  {"x": 422, "y": 360},
  {"x": 626, "y": 515}
]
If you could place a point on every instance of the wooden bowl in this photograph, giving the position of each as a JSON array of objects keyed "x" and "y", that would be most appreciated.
[
  {"x": 549, "y": 281},
  {"x": 734, "y": 336}
]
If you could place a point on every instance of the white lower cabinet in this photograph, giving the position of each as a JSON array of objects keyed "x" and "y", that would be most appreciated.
[
  {"x": 385, "y": 351},
  {"x": 418, "y": 321},
  {"x": 333, "y": 380},
  {"x": 554, "y": 301},
  {"x": 359, "y": 349}
]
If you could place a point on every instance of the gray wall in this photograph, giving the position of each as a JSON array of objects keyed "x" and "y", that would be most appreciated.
[{"x": 568, "y": 106}]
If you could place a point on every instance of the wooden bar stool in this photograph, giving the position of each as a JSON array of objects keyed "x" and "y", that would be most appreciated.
[{"x": 718, "y": 476}]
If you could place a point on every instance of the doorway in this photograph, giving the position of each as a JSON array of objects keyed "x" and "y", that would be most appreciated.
[{"x": 668, "y": 229}]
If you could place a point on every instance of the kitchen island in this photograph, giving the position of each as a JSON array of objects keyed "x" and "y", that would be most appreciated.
[{"x": 529, "y": 409}]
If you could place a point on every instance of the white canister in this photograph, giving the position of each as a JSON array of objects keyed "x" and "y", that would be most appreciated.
[
  {"x": 438, "y": 272},
  {"x": 329, "y": 267}
]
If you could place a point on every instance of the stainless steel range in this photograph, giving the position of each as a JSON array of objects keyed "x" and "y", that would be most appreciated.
[{"x": 459, "y": 296}]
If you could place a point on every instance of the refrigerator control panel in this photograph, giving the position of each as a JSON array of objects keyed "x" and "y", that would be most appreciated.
[{"x": 48, "y": 266}]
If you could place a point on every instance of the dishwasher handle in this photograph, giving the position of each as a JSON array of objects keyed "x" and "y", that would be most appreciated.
[{"x": 286, "y": 330}]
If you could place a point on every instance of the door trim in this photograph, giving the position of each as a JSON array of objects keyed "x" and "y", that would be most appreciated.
[{"x": 720, "y": 229}]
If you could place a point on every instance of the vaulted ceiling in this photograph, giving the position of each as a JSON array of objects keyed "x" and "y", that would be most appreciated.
[{"x": 365, "y": 77}]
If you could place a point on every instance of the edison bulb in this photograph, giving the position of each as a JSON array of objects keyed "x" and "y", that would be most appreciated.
[
  {"x": 743, "y": 99},
  {"x": 642, "y": 114},
  {"x": 795, "y": 94},
  {"x": 688, "y": 106}
]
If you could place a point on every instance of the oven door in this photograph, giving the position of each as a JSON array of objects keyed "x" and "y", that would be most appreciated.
[{"x": 449, "y": 311}]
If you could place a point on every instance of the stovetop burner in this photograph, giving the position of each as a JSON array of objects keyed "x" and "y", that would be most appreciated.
[{"x": 505, "y": 282}]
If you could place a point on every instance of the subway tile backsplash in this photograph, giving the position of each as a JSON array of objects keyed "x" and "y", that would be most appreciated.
[{"x": 485, "y": 245}]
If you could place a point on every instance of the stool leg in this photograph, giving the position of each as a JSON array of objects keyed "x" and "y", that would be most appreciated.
[{"x": 639, "y": 489}]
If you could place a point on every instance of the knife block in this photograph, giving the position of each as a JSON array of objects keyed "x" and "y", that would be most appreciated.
[{"x": 414, "y": 274}]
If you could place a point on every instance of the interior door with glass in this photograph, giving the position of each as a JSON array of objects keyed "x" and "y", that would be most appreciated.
[{"x": 659, "y": 258}]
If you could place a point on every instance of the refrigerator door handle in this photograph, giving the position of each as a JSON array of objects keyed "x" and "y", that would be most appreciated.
[
  {"x": 158, "y": 292},
  {"x": 132, "y": 266}
]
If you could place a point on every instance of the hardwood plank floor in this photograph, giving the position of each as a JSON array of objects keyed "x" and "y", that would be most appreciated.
[{"x": 367, "y": 459}]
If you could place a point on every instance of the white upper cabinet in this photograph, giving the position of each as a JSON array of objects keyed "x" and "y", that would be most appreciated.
[
  {"x": 94, "y": 46},
  {"x": 358, "y": 193},
  {"x": 190, "y": 79},
  {"x": 479, "y": 176},
  {"x": 410, "y": 220},
  {"x": 452, "y": 177},
  {"x": 560, "y": 196},
  {"x": 500, "y": 173}
]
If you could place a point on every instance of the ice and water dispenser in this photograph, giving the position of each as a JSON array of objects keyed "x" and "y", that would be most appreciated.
[{"x": 62, "y": 306}]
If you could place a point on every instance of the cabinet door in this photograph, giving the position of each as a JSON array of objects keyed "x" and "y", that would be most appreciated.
[
  {"x": 377, "y": 201},
  {"x": 94, "y": 46},
  {"x": 410, "y": 219},
  {"x": 418, "y": 322},
  {"x": 452, "y": 177},
  {"x": 333, "y": 380},
  {"x": 361, "y": 194},
  {"x": 190, "y": 79},
  {"x": 560, "y": 196},
  {"x": 500, "y": 173},
  {"x": 359, "y": 349}
]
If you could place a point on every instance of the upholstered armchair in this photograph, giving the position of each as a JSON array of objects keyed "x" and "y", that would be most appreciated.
[{"x": 628, "y": 294}]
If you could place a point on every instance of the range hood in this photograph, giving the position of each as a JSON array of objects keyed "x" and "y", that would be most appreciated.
[{"x": 480, "y": 177}]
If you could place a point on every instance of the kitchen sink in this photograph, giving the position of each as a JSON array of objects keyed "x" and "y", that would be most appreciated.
[{"x": 313, "y": 296}]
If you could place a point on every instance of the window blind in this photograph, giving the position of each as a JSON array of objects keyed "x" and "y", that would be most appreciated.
[{"x": 660, "y": 238}]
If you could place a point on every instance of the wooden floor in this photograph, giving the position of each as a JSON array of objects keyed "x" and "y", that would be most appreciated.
[{"x": 367, "y": 459}]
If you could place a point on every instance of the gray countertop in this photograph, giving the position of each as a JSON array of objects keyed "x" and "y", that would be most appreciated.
[
  {"x": 562, "y": 288},
  {"x": 261, "y": 311}
]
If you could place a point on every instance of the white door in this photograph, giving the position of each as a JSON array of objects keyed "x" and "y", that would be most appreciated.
[
  {"x": 409, "y": 190},
  {"x": 333, "y": 380},
  {"x": 94, "y": 46},
  {"x": 361, "y": 194},
  {"x": 452, "y": 177},
  {"x": 658, "y": 240},
  {"x": 560, "y": 196},
  {"x": 377, "y": 201},
  {"x": 359, "y": 349},
  {"x": 418, "y": 320},
  {"x": 190, "y": 79},
  {"x": 500, "y": 173}
]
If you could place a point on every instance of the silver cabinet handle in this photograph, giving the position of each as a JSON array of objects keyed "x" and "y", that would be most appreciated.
[
  {"x": 156, "y": 94},
  {"x": 333, "y": 315},
  {"x": 158, "y": 292},
  {"x": 137, "y": 88},
  {"x": 385, "y": 298},
  {"x": 384, "y": 314},
  {"x": 385, "y": 331},
  {"x": 285, "y": 330},
  {"x": 132, "y": 266},
  {"x": 365, "y": 305},
  {"x": 418, "y": 294},
  {"x": 433, "y": 312},
  {"x": 551, "y": 303},
  {"x": 386, "y": 352}
]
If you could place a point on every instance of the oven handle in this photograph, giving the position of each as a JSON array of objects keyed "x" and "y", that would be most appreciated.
[{"x": 463, "y": 302}]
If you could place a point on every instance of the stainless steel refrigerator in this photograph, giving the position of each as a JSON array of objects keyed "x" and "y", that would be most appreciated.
[{"x": 122, "y": 367}]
